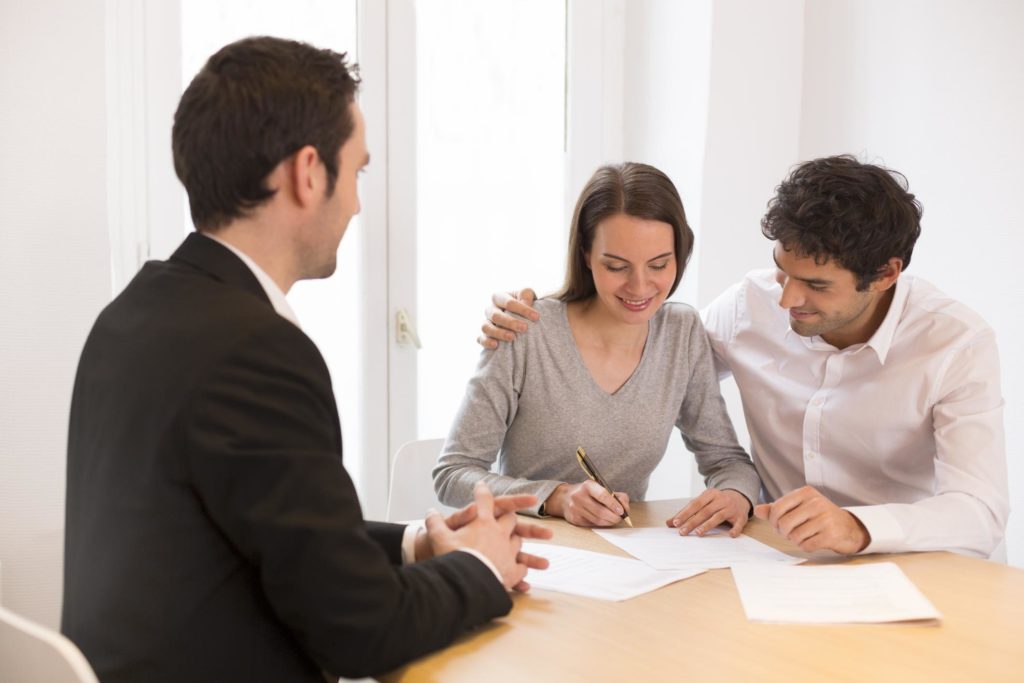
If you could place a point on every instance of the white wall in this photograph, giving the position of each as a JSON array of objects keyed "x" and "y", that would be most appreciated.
[
  {"x": 54, "y": 272},
  {"x": 753, "y": 132},
  {"x": 936, "y": 91}
]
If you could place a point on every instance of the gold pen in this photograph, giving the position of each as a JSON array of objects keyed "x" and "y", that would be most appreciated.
[{"x": 591, "y": 471}]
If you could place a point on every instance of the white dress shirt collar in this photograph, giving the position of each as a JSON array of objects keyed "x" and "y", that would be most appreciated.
[
  {"x": 274, "y": 293},
  {"x": 881, "y": 341}
]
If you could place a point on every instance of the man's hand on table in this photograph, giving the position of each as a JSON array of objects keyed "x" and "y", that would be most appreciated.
[{"x": 813, "y": 522}]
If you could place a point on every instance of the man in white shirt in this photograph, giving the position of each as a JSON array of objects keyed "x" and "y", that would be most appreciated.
[{"x": 872, "y": 399}]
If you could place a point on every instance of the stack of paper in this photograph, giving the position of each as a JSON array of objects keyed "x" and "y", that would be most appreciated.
[
  {"x": 770, "y": 588},
  {"x": 865, "y": 593},
  {"x": 596, "y": 575}
]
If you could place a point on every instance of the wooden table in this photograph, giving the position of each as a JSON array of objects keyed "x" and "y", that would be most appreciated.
[{"x": 696, "y": 630}]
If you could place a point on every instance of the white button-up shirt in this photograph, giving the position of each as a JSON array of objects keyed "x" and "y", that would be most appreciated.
[{"x": 905, "y": 431}]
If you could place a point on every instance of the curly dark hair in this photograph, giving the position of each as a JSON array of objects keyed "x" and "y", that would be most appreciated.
[
  {"x": 255, "y": 103},
  {"x": 839, "y": 209}
]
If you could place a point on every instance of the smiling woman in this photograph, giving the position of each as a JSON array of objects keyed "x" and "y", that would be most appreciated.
[
  {"x": 633, "y": 265},
  {"x": 608, "y": 368}
]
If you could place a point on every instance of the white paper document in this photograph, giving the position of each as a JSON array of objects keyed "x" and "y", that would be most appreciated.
[
  {"x": 596, "y": 575},
  {"x": 846, "y": 594},
  {"x": 664, "y": 548}
]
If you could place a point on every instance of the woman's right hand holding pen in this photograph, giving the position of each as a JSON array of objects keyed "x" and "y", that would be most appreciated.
[{"x": 587, "y": 504}]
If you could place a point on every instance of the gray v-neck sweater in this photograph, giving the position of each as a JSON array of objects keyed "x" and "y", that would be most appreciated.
[{"x": 531, "y": 403}]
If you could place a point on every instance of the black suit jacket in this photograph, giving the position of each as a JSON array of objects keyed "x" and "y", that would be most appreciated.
[{"x": 212, "y": 531}]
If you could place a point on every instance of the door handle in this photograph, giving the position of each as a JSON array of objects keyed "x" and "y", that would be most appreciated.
[{"x": 406, "y": 331}]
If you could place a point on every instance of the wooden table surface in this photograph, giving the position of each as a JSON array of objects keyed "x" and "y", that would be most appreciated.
[{"x": 696, "y": 629}]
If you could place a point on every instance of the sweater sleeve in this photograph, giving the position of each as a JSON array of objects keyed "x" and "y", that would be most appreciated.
[
  {"x": 706, "y": 427},
  {"x": 478, "y": 432}
]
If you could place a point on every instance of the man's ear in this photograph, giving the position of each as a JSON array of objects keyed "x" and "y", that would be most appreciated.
[
  {"x": 306, "y": 176},
  {"x": 889, "y": 273}
]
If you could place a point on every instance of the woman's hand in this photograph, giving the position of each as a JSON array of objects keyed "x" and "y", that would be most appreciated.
[
  {"x": 587, "y": 504},
  {"x": 710, "y": 509}
]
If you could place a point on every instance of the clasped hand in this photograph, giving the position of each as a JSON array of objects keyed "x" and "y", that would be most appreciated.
[{"x": 489, "y": 526}]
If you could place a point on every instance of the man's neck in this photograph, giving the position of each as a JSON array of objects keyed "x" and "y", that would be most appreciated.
[
  {"x": 258, "y": 242},
  {"x": 869, "y": 322}
]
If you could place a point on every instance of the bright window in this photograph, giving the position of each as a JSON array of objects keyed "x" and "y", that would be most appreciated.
[{"x": 490, "y": 186}]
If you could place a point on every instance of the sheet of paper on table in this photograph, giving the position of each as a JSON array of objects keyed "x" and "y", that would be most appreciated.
[
  {"x": 664, "y": 548},
  {"x": 596, "y": 575},
  {"x": 835, "y": 594}
]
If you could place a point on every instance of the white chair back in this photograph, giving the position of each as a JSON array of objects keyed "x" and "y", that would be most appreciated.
[
  {"x": 30, "y": 652},
  {"x": 412, "y": 485}
]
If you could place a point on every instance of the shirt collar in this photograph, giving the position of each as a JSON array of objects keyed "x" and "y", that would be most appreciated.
[
  {"x": 881, "y": 341},
  {"x": 274, "y": 293}
]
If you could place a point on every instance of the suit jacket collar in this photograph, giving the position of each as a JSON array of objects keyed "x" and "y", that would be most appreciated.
[{"x": 218, "y": 262}]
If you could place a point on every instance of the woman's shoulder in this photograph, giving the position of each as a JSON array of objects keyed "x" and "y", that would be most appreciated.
[
  {"x": 549, "y": 305},
  {"x": 543, "y": 332},
  {"x": 675, "y": 325},
  {"x": 552, "y": 315},
  {"x": 677, "y": 332},
  {"x": 677, "y": 315}
]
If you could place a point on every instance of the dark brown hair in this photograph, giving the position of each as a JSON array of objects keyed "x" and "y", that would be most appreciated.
[
  {"x": 255, "y": 103},
  {"x": 632, "y": 189},
  {"x": 839, "y": 209}
]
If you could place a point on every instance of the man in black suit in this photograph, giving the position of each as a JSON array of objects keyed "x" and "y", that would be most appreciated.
[{"x": 212, "y": 531}]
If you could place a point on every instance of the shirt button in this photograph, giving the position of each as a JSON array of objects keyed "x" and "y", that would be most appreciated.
[
  {"x": 818, "y": 401},
  {"x": 810, "y": 455}
]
